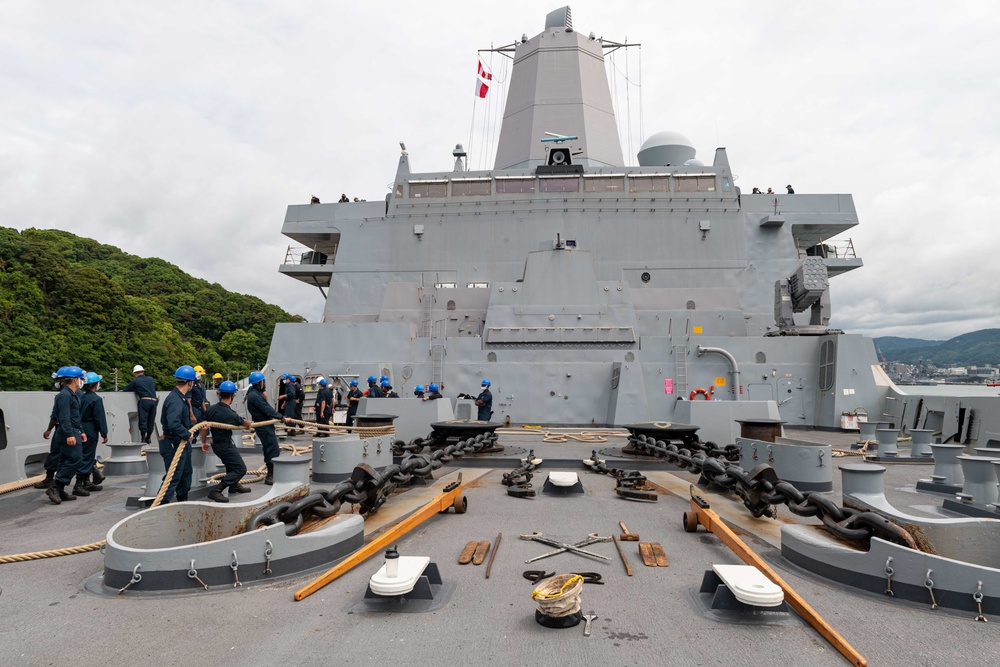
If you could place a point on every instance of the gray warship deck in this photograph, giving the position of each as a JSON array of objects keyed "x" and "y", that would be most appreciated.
[{"x": 651, "y": 617}]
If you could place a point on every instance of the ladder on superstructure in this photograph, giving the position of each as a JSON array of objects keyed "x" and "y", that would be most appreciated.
[{"x": 680, "y": 364}]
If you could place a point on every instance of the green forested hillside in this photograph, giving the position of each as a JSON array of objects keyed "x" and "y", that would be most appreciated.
[
  {"x": 67, "y": 300},
  {"x": 972, "y": 349}
]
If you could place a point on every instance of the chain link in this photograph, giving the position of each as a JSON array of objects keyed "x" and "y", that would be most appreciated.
[
  {"x": 760, "y": 489},
  {"x": 368, "y": 487}
]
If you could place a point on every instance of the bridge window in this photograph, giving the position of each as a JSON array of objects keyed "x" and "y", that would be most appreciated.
[
  {"x": 471, "y": 187},
  {"x": 515, "y": 186},
  {"x": 559, "y": 184},
  {"x": 651, "y": 183},
  {"x": 610, "y": 183},
  {"x": 695, "y": 183},
  {"x": 421, "y": 189}
]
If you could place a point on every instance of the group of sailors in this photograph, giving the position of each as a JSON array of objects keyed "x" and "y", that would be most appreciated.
[
  {"x": 789, "y": 188},
  {"x": 78, "y": 420}
]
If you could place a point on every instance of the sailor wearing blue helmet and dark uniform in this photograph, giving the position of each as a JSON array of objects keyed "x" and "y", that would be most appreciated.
[
  {"x": 373, "y": 388},
  {"x": 222, "y": 443},
  {"x": 69, "y": 435},
  {"x": 387, "y": 389},
  {"x": 418, "y": 391},
  {"x": 433, "y": 393},
  {"x": 260, "y": 410},
  {"x": 353, "y": 398},
  {"x": 175, "y": 420},
  {"x": 324, "y": 406},
  {"x": 52, "y": 460},
  {"x": 145, "y": 397},
  {"x": 485, "y": 403},
  {"x": 95, "y": 425}
]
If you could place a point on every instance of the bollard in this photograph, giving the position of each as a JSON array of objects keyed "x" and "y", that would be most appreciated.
[
  {"x": 862, "y": 479},
  {"x": 980, "y": 486},
  {"x": 947, "y": 469},
  {"x": 887, "y": 442},
  {"x": 867, "y": 430},
  {"x": 989, "y": 452},
  {"x": 156, "y": 471},
  {"x": 921, "y": 445},
  {"x": 126, "y": 459}
]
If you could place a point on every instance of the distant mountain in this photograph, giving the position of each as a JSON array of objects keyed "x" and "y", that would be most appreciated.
[
  {"x": 66, "y": 300},
  {"x": 972, "y": 349}
]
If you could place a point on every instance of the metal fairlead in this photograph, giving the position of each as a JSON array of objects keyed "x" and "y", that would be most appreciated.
[
  {"x": 235, "y": 565},
  {"x": 267, "y": 556}
]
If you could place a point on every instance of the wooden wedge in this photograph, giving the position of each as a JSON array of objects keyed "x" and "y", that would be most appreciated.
[
  {"x": 467, "y": 553},
  {"x": 660, "y": 555},
  {"x": 646, "y": 552},
  {"x": 482, "y": 548}
]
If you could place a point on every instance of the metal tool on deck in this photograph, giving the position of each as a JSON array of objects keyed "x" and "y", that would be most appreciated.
[
  {"x": 593, "y": 538},
  {"x": 538, "y": 537},
  {"x": 589, "y": 616},
  {"x": 627, "y": 536},
  {"x": 702, "y": 514}
]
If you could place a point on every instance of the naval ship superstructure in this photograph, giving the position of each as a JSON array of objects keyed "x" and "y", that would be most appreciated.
[{"x": 589, "y": 291}]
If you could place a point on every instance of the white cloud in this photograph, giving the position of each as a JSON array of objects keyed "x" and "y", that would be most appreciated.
[{"x": 183, "y": 130}]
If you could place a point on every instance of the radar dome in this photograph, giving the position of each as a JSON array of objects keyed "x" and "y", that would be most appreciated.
[
  {"x": 665, "y": 149},
  {"x": 694, "y": 162}
]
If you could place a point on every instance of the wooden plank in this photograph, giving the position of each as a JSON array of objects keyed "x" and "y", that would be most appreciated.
[
  {"x": 646, "y": 551},
  {"x": 482, "y": 548},
  {"x": 660, "y": 555},
  {"x": 439, "y": 504},
  {"x": 714, "y": 524}
]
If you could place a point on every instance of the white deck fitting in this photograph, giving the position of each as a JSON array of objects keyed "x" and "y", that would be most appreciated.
[
  {"x": 564, "y": 478},
  {"x": 749, "y": 585},
  {"x": 410, "y": 569}
]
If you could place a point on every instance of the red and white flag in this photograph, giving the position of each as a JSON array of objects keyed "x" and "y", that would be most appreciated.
[{"x": 483, "y": 80}]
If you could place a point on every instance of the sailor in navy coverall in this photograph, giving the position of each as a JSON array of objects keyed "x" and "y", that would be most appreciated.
[
  {"x": 260, "y": 410},
  {"x": 145, "y": 397},
  {"x": 175, "y": 419}
]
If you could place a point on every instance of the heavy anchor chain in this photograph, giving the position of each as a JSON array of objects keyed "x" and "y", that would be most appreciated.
[
  {"x": 518, "y": 480},
  {"x": 761, "y": 490},
  {"x": 368, "y": 488}
]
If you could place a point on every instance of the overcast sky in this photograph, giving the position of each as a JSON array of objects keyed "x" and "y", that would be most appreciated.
[{"x": 182, "y": 130}]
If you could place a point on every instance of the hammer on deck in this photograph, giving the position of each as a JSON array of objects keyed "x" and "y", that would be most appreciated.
[{"x": 627, "y": 536}]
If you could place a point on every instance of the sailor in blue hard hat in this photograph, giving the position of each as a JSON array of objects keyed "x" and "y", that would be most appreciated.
[
  {"x": 261, "y": 411},
  {"x": 324, "y": 406},
  {"x": 485, "y": 402},
  {"x": 52, "y": 460},
  {"x": 175, "y": 420},
  {"x": 222, "y": 443},
  {"x": 354, "y": 397},
  {"x": 288, "y": 397},
  {"x": 432, "y": 392},
  {"x": 95, "y": 426},
  {"x": 68, "y": 439},
  {"x": 418, "y": 391},
  {"x": 387, "y": 389},
  {"x": 373, "y": 389}
]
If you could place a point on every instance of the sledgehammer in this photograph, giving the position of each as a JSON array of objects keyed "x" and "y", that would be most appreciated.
[{"x": 627, "y": 536}]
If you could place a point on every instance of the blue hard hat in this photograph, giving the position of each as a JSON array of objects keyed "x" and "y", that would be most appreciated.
[
  {"x": 72, "y": 372},
  {"x": 227, "y": 387},
  {"x": 419, "y": 389},
  {"x": 383, "y": 378},
  {"x": 486, "y": 383},
  {"x": 92, "y": 378},
  {"x": 285, "y": 376},
  {"x": 256, "y": 377},
  {"x": 354, "y": 383},
  {"x": 386, "y": 383},
  {"x": 432, "y": 387},
  {"x": 60, "y": 372},
  {"x": 372, "y": 378},
  {"x": 186, "y": 373},
  {"x": 322, "y": 382}
]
